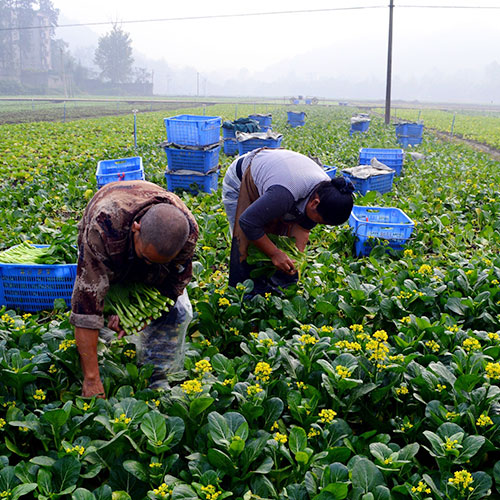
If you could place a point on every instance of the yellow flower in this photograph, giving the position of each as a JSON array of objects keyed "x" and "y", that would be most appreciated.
[
  {"x": 263, "y": 371},
  {"x": 349, "y": 346},
  {"x": 405, "y": 320},
  {"x": 227, "y": 381},
  {"x": 493, "y": 370},
  {"x": 450, "y": 415},
  {"x": 380, "y": 335},
  {"x": 267, "y": 342},
  {"x": 205, "y": 248},
  {"x": 432, "y": 345},
  {"x": 191, "y": 387},
  {"x": 203, "y": 366},
  {"x": 421, "y": 487},
  {"x": 462, "y": 480},
  {"x": 2, "y": 423},
  {"x": 453, "y": 328},
  {"x": 275, "y": 426},
  {"x": 307, "y": 339},
  {"x": 357, "y": 328},
  {"x": 224, "y": 302},
  {"x": 326, "y": 329},
  {"x": 471, "y": 344},
  {"x": 122, "y": 419},
  {"x": 406, "y": 426},
  {"x": 402, "y": 390},
  {"x": 252, "y": 390},
  {"x": 163, "y": 490},
  {"x": 484, "y": 420},
  {"x": 211, "y": 493},
  {"x": 343, "y": 371},
  {"x": 280, "y": 438},
  {"x": 85, "y": 406},
  {"x": 267, "y": 295},
  {"x": 301, "y": 385},
  {"x": 39, "y": 395},
  {"x": 440, "y": 387},
  {"x": 52, "y": 369},
  {"x": 450, "y": 445},
  {"x": 327, "y": 416},
  {"x": 66, "y": 344},
  {"x": 494, "y": 336},
  {"x": 408, "y": 253},
  {"x": 130, "y": 353},
  {"x": 154, "y": 465},
  {"x": 305, "y": 328},
  {"x": 313, "y": 432},
  {"x": 494, "y": 282},
  {"x": 206, "y": 342},
  {"x": 404, "y": 295},
  {"x": 425, "y": 269},
  {"x": 79, "y": 449}
]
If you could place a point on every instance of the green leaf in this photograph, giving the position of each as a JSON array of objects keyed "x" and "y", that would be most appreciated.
[
  {"x": 366, "y": 475},
  {"x": 199, "y": 405},
  {"x": 13, "y": 448},
  {"x": 219, "y": 429},
  {"x": 154, "y": 427},
  {"x": 220, "y": 460},
  {"x": 66, "y": 472},
  {"x": 302, "y": 457},
  {"x": 273, "y": 408},
  {"x": 137, "y": 469},
  {"x": 44, "y": 480},
  {"x": 183, "y": 492},
  {"x": 482, "y": 485},
  {"x": 43, "y": 461},
  {"x": 121, "y": 495},
  {"x": 470, "y": 446},
  {"x": 8, "y": 478},
  {"x": 82, "y": 494},
  {"x": 56, "y": 418},
  {"x": 467, "y": 382},
  {"x": 23, "y": 489},
  {"x": 334, "y": 491},
  {"x": 297, "y": 440}
]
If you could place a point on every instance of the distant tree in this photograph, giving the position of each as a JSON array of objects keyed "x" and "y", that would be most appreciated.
[{"x": 114, "y": 55}]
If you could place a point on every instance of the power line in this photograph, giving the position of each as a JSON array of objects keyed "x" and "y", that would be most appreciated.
[
  {"x": 249, "y": 14},
  {"x": 193, "y": 18}
]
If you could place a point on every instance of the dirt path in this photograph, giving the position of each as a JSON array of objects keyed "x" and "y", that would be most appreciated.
[{"x": 478, "y": 146}]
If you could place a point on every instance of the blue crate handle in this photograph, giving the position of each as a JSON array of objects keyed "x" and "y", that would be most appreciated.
[{"x": 403, "y": 239}]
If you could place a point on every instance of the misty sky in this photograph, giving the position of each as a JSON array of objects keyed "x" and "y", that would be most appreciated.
[{"x": 448, "y": 47}]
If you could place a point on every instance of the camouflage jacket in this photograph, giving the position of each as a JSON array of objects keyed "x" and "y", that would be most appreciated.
[{"x": 106, "y": 254}]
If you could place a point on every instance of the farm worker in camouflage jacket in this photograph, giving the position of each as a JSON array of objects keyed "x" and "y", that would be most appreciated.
[{"x": 131, "y": 231}]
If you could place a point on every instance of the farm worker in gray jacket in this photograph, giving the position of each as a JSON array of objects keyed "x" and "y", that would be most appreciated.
[
  {"x": 131, "y": 231},
  {"x": 277, "y": 191}
]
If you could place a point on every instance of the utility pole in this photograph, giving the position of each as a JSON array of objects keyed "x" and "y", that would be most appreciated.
[
  {"x": 389, "y": 69},
  {"x": 197, "y": 84}
]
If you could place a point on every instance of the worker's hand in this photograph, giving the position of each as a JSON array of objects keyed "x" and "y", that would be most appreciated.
[
  {"x": 301, "y": 236},
  {"x": 283, "y": 262},
  {"x": 93, "y": 387},
  {"x": 114, "y": 324}
]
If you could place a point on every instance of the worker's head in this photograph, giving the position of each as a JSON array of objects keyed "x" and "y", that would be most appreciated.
[
  {"x": 331, "y": 202},
  {"x": 160, "y": 234}
]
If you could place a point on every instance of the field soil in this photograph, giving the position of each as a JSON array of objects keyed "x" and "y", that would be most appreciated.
[{"x": 478, "y": 146}]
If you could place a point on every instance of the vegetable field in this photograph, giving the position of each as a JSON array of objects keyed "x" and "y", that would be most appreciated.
[{"x": 373, "y": 378}]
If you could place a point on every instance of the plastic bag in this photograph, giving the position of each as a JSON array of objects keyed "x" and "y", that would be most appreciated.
[{"x": 162, "y": 342}]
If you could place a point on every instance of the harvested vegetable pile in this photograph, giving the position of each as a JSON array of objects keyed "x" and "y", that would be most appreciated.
[
  {"x": 27, "y": 253},
  {"x": 136, "y": 305}
]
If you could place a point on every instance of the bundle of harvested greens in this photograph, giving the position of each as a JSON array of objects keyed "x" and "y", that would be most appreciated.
[
  {"x": 135, "y": 304},
  {"x": 27, "y": 253},
  {"x": 263, "y": 264}
]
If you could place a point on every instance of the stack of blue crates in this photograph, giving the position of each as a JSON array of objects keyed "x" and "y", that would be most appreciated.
[
  {"x": 409, "y": 133},
  {"x": 192, "y": 152},
  {"x": 393, "y": 158},
  {"x": 122, "y": 169},
  {"x": 263, "y": 120},
  {"x": 359, "y": 123},
  {"x": 296, "y": 119},
  {"x": 230, "y": 142}
]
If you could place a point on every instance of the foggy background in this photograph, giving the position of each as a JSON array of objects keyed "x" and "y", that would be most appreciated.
[{"x": 439, "y": 54}]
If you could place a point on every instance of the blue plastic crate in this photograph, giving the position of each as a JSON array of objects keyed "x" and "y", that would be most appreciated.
[
  {"x": 293, "y": 116},
  {"x": 389, "y": 224},
  {"x": 359, "y": 127},
  {"x": 251, "y": 144},
  {"x": 380, "y": 183},
  {"x": 409, "y": 129},
  {"x": 34, "y": 287},
  {"x": 264, "y": 120},
  {"x": 191, "y": 159},
  {"x": 192, "y": 183},
  {"x": 193, "y": 130},
  {"x": 230, "y": 147},
  {"x": 393, "y": 158},
  {"x": 228, "y": 133},
  {"x": 409, "y": 141},
  {"x": 123, "y": 169},
  {"x": 331, "y": 171},
  {"x": 294, "y": 124}
]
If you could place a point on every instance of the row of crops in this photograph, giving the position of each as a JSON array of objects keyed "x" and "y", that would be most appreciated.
[{"x": 375, "y": 378}]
